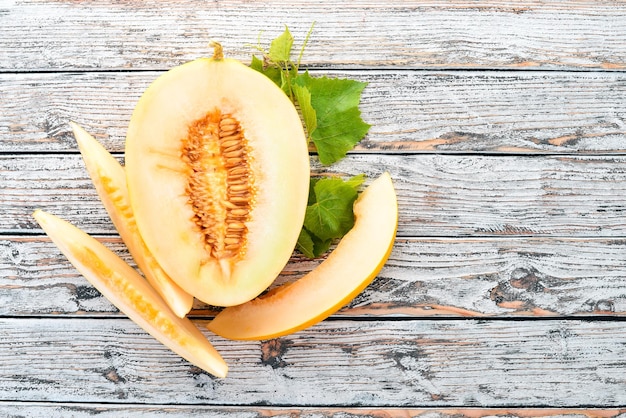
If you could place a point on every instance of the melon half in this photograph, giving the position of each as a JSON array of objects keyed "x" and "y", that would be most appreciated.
[{"x": 217, "y": 169}]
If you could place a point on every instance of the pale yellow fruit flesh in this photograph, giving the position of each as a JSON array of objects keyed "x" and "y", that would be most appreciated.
[
  {"x": 109, "y": 180},
  {"x": 131, "y": 294},
  {"x": 157, "y": 176},
  {"x": 352, "y": 265}
]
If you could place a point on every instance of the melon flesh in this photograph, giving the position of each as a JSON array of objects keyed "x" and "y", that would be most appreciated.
[
  {"x": 131, "y": 294},
  {"x": 178, "y": 178},
  {"x": 351, "y": 266},
  {"x": 110, "y": 182}
]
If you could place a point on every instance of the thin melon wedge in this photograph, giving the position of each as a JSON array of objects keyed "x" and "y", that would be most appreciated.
[
  {"x": 131, "y": 294},
  {"x": 110, "y": 181},
  {"x": 356, "y": 261}
]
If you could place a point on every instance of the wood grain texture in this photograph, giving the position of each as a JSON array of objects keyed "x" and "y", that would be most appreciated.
[
  {"x": 439, "y": 195},
  {"x": 374, "y": 364},
  {"x": 515, "y": 277},
  {"x": 503, "y": 124},
  {"x": 45, "y": 410},
  {"x": 370, "y": 33},
  {"x": 410, "y": 111}
]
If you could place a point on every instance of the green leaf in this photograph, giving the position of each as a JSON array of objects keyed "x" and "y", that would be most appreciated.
[
  {"x": 312, "y": 198},
  {"x": 339, "y": 125},
  {"x": 310, "y": 245},
  {"x": 286, "y": 77},
  {"x": 331, "y": 215},
  {"x": 257, "y": 64},
  {"x": 303, "y": 96},
  {"x": 337, "y": 137},
  {"x": 280, "y": 48},
  {"x": 305, "y": 244},
  {"x": 270, "y": 71},
  {"x": 320, "y": 246},
  {"x": 356, "y": 181}
]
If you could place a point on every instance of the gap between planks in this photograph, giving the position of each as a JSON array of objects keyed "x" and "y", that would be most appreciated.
[{"x": 105, "y": 410}]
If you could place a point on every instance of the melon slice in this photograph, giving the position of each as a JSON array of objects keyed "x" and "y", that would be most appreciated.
[
  {"x": 131, "y": 294},
  {"x": 217, "y": 169},
  {"x": 110, "y": 181},
  {"x": 351, "y": 266}
]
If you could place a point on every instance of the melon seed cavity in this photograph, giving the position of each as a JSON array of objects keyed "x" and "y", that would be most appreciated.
[{"x": 220, "y": 182}]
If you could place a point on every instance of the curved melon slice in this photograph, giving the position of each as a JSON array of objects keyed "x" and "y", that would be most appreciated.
[
  {"x": 356, "y": 261},
  {"x": 217, "y": 168},
  {"x": 131, "y": 294},
  {"x": 110, "y": 181}
]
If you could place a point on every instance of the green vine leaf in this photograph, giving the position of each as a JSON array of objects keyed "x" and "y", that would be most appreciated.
[
  {"x": 338, "y": 125},
  {"x": 331, "y": 117}
]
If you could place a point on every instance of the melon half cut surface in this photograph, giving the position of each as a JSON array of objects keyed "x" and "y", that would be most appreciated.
[
  {"x": 350, "y": 267},
  {"x": 217, "y": 168}
]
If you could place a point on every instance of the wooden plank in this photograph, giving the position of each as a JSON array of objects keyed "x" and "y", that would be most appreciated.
[
  {"x": 439, "y": 195},
  {"x": 410, "y": 111},
  {"x": 503, "y": 277},
  {"x": 43, "y": 35},
  {"x": 366, "y": 364},
  {"x": 45, "y": 410}
]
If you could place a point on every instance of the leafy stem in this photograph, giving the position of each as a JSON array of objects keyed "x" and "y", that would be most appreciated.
[
  {"x": 304, "y": 44},
  {"x": 330, "y": 114}
]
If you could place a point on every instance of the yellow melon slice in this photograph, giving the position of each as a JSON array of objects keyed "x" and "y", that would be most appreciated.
[
  {"x": 218, "y": 173},
  {"x": 110, "y": 181},
  {"x": 131, "y": 294},
  {"x": 350, "y": 267}
]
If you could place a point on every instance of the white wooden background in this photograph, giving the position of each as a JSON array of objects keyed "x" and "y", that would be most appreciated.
[{"x": 503, "y": 124}]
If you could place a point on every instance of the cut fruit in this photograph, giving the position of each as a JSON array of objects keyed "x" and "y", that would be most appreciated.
[
  {"x": 131, "y": 294},
  {"x": 217, "y": 169},
  {"x": 358, "y": 258},
  {"x": 110, "y": 181}
]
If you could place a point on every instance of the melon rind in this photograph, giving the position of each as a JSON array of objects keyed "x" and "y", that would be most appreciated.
[{"x": 349, "y": 268}]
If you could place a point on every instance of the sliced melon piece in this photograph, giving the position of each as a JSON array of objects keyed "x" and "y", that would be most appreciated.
[
  {"x": 351, "y": 266},
  {"x": 110, "y": 181},
  {"x": 131, "y": 294},
  {"x": 217, "y": 168}
]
